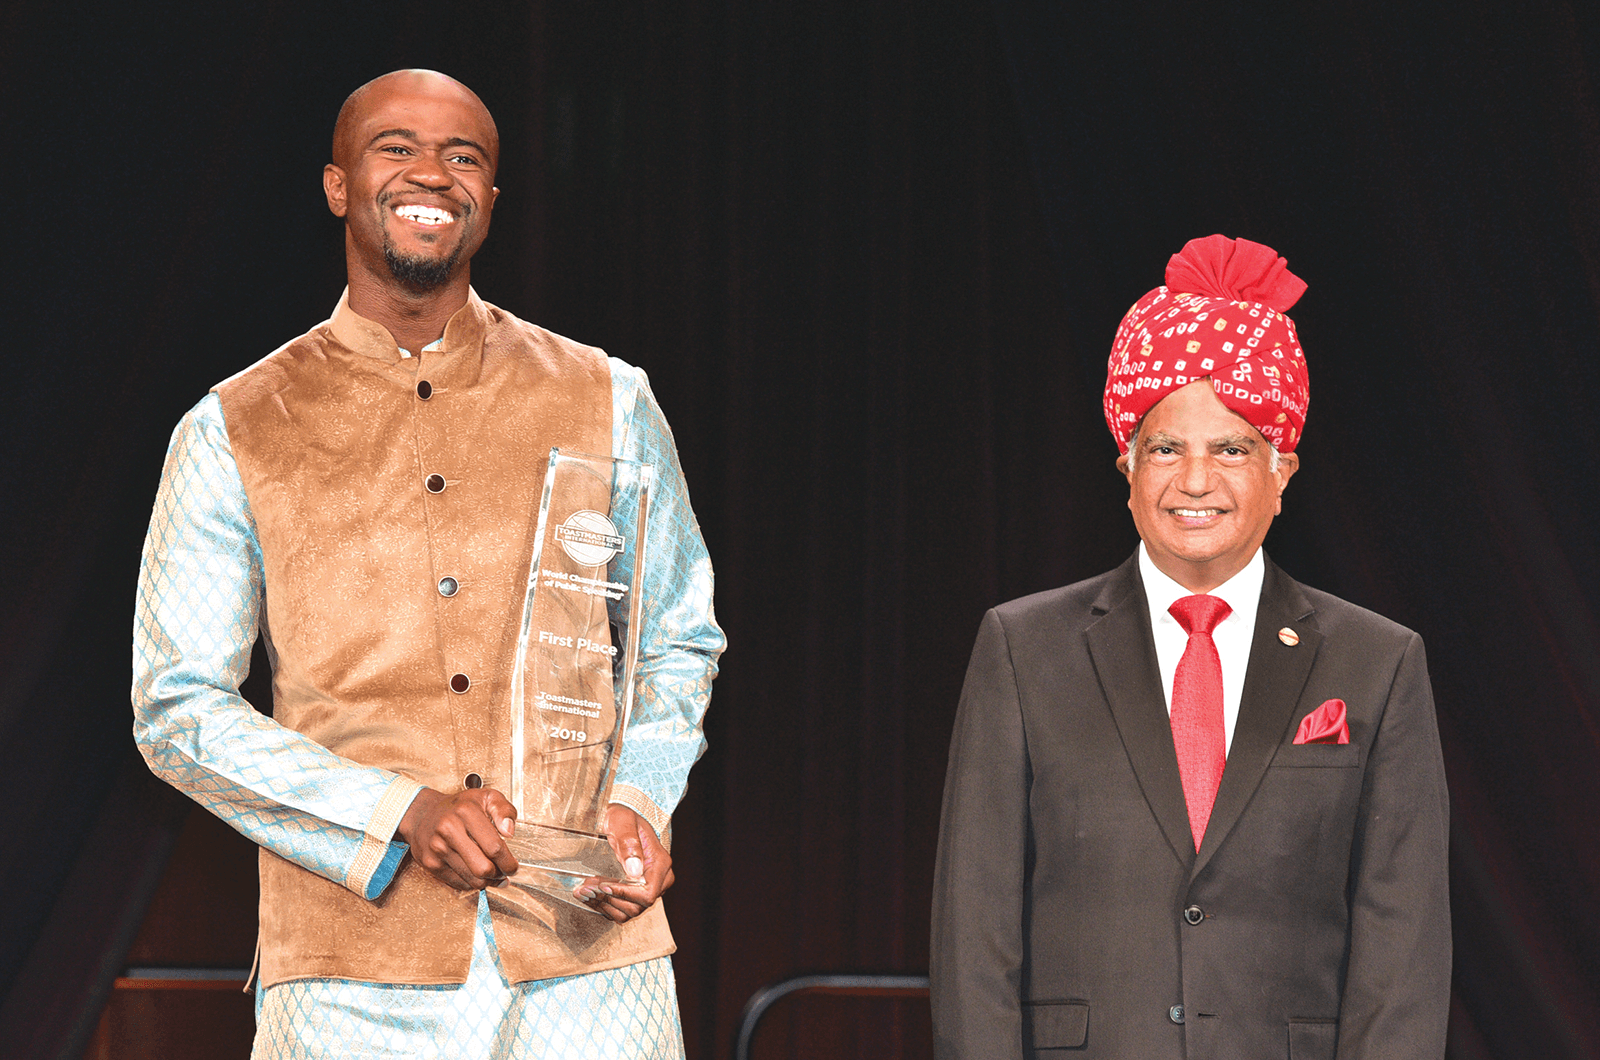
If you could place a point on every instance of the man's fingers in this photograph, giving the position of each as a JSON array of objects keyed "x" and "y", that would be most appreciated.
[
  {"x": 617, "y": 901},
  {"x": 658, "y": 872},
  {"x": 631, "y": 853},
  {"x": 502, "y": 817},
  {"x": 485, "y": 849},
  {"x": 447, "y": 869},
  {"x": 458, "y": 839},
  {"x": 500, "y": 811},
  {"x": 622, "y": 904},
  {"x": 657, "y": 862},
  {"x": 451, "y": 853},
  {"x": 643, "y": 858},
  {"x": 505, "y": 862},
  {"x": 620, "y": 912},
  {"x": 622, "y": 894}
]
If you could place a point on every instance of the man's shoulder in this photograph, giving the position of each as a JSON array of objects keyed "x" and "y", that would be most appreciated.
[
  {"x": 504, "y": 328},
  {"x": 1335, "y": 616},
  {"x": 529, "y": 348},
  {"x": 268, "y": 374},
  {"x": 1077, "y": 604}
]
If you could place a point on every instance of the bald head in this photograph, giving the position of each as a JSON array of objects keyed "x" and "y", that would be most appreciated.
[
  {"x": 414, "y": 157},
  {"x": 351, "y": 132}
]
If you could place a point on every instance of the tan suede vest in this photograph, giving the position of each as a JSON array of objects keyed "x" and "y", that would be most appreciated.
[{"x": 372, "y": 477}]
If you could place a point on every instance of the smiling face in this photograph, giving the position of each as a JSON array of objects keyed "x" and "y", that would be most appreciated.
[
  {"x": 1202, "y": 489},
  {"x": 413, "y": 177}
]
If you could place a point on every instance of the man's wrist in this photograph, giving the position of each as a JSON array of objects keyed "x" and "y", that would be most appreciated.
[
  {"x": 421, "y": 800},
  {"x": 645, "y": 807}
]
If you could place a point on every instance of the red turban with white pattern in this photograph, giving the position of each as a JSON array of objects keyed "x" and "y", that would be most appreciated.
[{"x": 1220, "y": 314}]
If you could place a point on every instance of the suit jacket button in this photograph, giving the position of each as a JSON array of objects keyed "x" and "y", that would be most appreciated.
[
  {"x": 1175, "y": 1013},
  {"x": 424, "y": 390},
  {"x": 1193, "y": 915}
]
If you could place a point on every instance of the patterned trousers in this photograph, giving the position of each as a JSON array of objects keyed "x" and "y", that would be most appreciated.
[{"x": 626, "y": 1013}]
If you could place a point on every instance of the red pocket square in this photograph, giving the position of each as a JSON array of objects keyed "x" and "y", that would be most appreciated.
[{"x": 1326, "y": 724}]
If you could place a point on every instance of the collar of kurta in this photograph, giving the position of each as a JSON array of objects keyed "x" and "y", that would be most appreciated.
[{"x": 453, "y": 361}]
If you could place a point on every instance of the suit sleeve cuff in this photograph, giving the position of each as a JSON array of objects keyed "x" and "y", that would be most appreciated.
[
  {"x": 378, "y": 858},
  {"x": 641, "y": 804}
]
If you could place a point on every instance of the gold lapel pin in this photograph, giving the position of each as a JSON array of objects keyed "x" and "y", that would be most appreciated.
[{"x": 1288, "y": 636}]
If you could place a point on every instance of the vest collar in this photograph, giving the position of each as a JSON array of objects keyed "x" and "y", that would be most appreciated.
[{"x": 453, "y": 361}]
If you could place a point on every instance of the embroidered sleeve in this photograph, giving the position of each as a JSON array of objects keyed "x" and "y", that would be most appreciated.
[
  {"x": 679, "y": 641},
  {"x": 195, "y": 621}
]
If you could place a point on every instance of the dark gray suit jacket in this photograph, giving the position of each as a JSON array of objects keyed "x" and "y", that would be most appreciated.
[{"x": 1066, "y": 865}]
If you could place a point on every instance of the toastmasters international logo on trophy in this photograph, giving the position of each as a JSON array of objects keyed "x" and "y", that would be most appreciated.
[{"x": 589, "y": 538}]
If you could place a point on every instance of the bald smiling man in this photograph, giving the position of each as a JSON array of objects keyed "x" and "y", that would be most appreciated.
[{"x": 362, "y": 498}]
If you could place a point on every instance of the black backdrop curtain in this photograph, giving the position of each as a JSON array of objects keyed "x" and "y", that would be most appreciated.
[{"x": 872, "y": 254}]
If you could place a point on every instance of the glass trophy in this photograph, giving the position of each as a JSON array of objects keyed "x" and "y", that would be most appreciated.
[{"x": 573, "y": 676}]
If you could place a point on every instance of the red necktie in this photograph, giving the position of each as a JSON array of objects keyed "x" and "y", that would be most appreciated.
[{"x": 1197, "y": 708}]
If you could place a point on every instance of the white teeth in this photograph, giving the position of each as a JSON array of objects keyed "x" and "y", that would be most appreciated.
[
  {"x": 1196, "y": 513},
  {"x": 424, "y": 215}
]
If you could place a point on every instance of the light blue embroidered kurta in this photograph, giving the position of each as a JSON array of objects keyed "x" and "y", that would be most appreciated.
[{"x": 197, "y": 612}]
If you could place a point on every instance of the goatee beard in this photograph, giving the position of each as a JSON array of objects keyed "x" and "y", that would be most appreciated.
[{"x": 420, "y": 273}]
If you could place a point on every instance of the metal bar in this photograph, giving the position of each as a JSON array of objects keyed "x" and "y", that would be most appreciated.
[
  {"x": 849, "y": 985},
  {"x": 182, "y": 979},
  {"x": 240, "y": 974}
]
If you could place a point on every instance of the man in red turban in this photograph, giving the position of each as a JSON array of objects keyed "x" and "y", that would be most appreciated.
[
  {"x": 1220, "y": 316},
  {"x": 1194, "y": 808}
]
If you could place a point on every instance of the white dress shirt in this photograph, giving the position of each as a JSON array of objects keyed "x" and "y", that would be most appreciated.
[{"x": 1242, "y": 592}]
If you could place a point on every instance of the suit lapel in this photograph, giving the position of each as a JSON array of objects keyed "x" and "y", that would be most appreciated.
[
  {"x": 1276, "y": 675},
  {"x": 1124, "y": 656}
]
